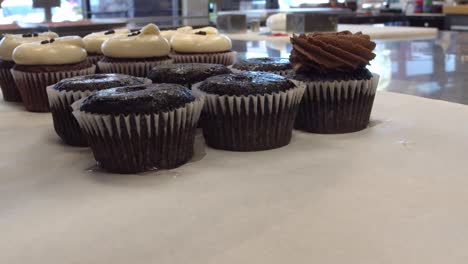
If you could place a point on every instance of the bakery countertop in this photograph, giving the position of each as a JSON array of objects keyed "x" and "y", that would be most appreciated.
[{"x": 393, "y": 193}]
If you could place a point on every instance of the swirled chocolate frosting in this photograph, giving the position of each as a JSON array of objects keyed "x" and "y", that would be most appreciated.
[{"x": 330, "y": 52}]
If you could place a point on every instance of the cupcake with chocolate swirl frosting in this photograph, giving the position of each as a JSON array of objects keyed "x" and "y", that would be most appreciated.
[
  {"x": 7, "y": 45},
  {"x": 43, "y": 63},
  {"x": 135, "y": 53},
  {"x": 340, "y": 90},
  {"x": 203, "y": 45}
]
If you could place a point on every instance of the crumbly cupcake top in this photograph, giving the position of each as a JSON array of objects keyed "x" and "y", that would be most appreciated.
[
  {"x": 202, "y": 40},
  {"x": 186, "y": 73},
  {"x": 263, "y": 64},
  {"x": 246, "y": 83},
  {"x": 169, "y": 33},
  {"x": 58, "y": 51},
  {"x": 94, "y": 41},
  {"x": 329, "y": 52},
  {"x": 142, "y": 99},
  {"x": 145, "y": 43},
  {"x": 10, "y": 42},
  {"x": 97, "y": 82}
]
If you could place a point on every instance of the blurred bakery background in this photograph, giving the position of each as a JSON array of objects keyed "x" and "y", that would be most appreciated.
[{"x": 422, "y": 47}]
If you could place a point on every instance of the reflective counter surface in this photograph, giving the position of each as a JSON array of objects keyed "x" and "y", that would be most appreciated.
[{"x": 435, "y": 68}]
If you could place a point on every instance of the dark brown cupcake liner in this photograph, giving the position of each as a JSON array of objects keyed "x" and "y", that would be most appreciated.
[
  {"x": 136, "y": 143},
  {"x": 65, "y": 124},
  {"x": 224, "y": 58},
  {"x": 138, "y": 69},
  {"x": 336, "y": 107},
  {"x": 7, "y": 84},
  {"x": 250, "y": 123},
  {"x": 32, "y": 86}
]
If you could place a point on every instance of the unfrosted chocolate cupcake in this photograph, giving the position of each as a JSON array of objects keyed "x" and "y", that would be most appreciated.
[
  {"x": 67, "y": 91},
  {"x": 40, "y": 64},
  {"x": 186, "y": 73},
  {"x": 138, "y": 128},
  {"x": 340, "y": 90},
  {"x": 7, "y": 45},
  {"x": 249, "y": 111},
  {"x": 280, "y": 66}
]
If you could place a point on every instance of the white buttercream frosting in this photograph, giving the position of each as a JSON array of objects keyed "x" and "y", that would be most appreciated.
[
  {"x": 58, "y": 51},
  {"x": 146, "y": 43},
  {"x": 202, "y": 40},
  {"x": 94, "y": 41},
  {"x": 168, "y": 34},
  {"x": 10, "y": 42}
]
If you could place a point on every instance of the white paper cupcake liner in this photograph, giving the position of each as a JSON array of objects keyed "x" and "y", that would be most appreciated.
[
  {"x": 224, "y": 58},
  {"x": 283, "y": 73},
  {"x": 331, "y": 107},
  {"x": 138, "y": 142},
  {"x": 250, "y": 123},
  {"x": 65, "y": 124},
  {"x": 138, "y": 69},
  {"x": 32, "y": 86}
]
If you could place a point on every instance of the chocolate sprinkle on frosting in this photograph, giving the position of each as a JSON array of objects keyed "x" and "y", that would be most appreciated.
[
  {"x": 109, "y": 32},
  {"x": 328, "y": 52},
  {"x": 203, "y": 33},
  {"x": 134, "y": 33}
]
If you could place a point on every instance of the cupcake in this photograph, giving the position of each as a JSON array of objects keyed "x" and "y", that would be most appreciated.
[
  {"x": 204, "y": 45},
  {"x": 67, "y": 91},
  {"x": 169, "y": 33},
  {"x": 186, "y": 73},
  {"x": 40, "y": 64},
  {"x": 7, "y": 45},
  {"x": 94, "y": 41},
  {"x": 138, "y": 128},
  {"x": 279, "y": 66},
  {"x": 136, "y": 53},
  {"x": 340, "y": 90},
  {"x": 249, "y": 111}
]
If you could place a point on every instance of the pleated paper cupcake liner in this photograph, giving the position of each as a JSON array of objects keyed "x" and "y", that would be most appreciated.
[
  {"x": 225, "y": 58},
  {"x": 32, "y": 86},
  {"x": 283, "y": 73},
  {"x": 250, "y": 123},
  {"x": 65, "y": 124},
  {"x": 137, "y": 142},
  {"x": 336, "y": 107},
  {"x": 93, "y": 59},
  {"x": 7, "y": 84},
  {"x": 138, "y": 69}
]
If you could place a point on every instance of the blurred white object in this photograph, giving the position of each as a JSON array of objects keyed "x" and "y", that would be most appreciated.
[{"x": 277, "y": 22}]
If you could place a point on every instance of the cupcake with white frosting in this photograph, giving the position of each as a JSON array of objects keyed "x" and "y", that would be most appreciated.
[
  {"x": 7, "y": 45},
  {"x": 93, "y": 42},
  {"x": 204, "y": 45},
  {"x": 135, "y": 53},
  {"x": 43, "y": 63}
]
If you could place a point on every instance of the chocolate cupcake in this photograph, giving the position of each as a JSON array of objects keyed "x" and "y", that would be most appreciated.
[
  {"x": 67, "y": 91},
  {"x": 280, "y": 66},
  {"x": 186, "y": 73},
  {"x": 204, "y": 45},
  {"x": 138, "y": 128},
  {"x": 40, "y": 64},
  {"x": 7, "y": 45},
  {"x": 249, "y": 111},
  {"x": 136, "y": 53},
  {"x": 93, "y": 42},
  {"x": 340, "y": 90}
]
